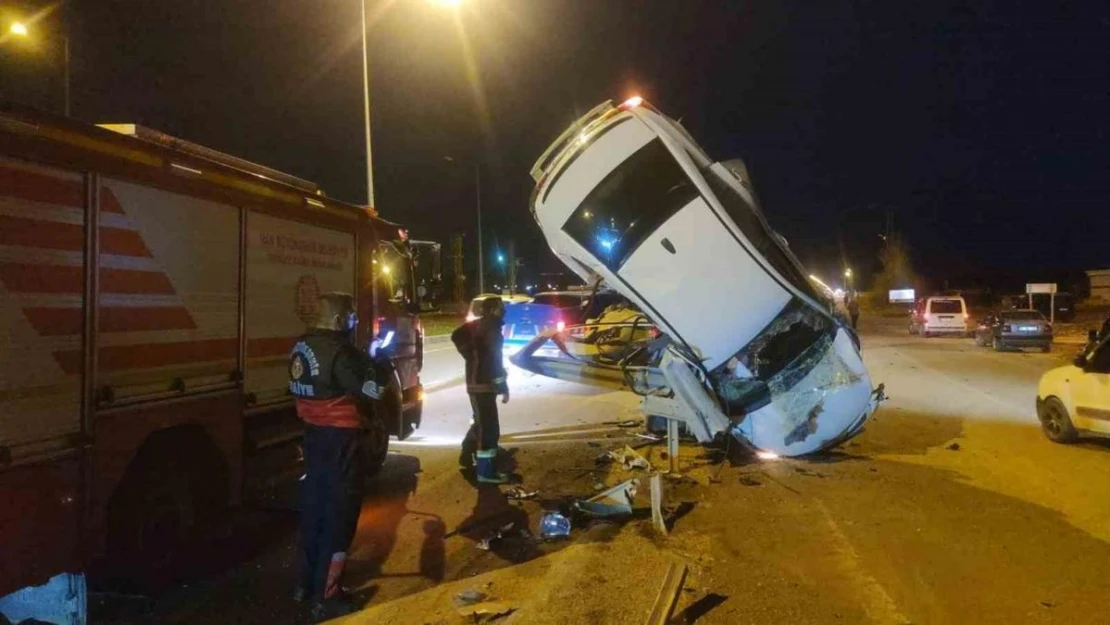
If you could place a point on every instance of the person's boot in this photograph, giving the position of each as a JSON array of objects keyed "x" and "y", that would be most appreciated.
[{"x": 487, "y": 468}]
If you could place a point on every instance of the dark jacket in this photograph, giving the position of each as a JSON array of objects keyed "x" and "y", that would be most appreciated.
[
  {"x": 479, "y": 343},
  {"x": 326, "y": 373}
]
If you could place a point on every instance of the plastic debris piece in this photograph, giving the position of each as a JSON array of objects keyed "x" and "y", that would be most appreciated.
[
  {"x": 616, "y": 501},
  {"x": 554, "y": 525},
  {"x": 750, "y": 481},
  {"x": 470, "y": 596},
  {"x": 486, "y": 612},
  {"x": 518, "y": 493}
]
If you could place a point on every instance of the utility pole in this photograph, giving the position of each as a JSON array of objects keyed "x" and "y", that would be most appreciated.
[
  {"x": 457, "y": 267},
  {"x": 478, "y": 203}
]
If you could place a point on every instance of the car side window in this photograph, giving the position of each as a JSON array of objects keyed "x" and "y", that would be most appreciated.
[{"x": 1100, "y": 360}]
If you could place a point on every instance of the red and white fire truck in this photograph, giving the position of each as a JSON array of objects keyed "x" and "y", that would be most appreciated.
[{"x": 150, "y": 292}]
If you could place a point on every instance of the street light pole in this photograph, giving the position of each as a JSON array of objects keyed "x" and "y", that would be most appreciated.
[
  {"x": 65, "y": 45},
  {"x": 366, "y": 111},
  {"x": 478, "y": 203}
]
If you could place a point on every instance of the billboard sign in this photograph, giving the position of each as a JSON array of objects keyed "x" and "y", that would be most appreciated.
[{"x": 902, "y": 296}]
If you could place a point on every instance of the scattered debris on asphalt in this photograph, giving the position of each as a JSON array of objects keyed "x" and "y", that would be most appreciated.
[
  {"x": 954, "y": 447},
  {"x": 470, "y": 596},
  {"x": 495, "y": 535},
  {"x": 649, "y": 437},
  {"x": 518, "y": 493},
  {"x": 807, "y": 472},
  {"x": 1047, "y": 604},
  {"x": 616, "y": 501},
  {"x": 665, "y": 601},
  {"x": 554, "y": 525},
  {"x": 486, "y": 612},
  {"x": 748, "y": 480},
  {"x": 657, "y": 504},
  {"x": 626, "y": 457}
]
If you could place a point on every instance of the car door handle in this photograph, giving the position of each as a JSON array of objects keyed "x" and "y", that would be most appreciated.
[{"x": 667, "y": 245}]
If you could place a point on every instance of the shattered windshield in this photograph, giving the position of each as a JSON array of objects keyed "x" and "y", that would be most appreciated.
[{"x": 776, "y": 359}]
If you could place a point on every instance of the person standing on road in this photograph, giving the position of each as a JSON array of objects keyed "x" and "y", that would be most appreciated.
[
  {"x": 852, "y": 302},
  {"x": 479, "y": 342},
  {"x": 326, "y": 376}
]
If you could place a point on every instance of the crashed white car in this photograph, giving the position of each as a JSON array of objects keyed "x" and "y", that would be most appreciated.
[{"x": 626, "y": 197}]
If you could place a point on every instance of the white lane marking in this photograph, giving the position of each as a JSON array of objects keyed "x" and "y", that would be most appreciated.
[
  {"x": 560, "y": 433},
  {"x": 877, "y": 603}
]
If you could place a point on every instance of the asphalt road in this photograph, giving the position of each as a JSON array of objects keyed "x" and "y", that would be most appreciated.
[{"x": 951, "y": 507}]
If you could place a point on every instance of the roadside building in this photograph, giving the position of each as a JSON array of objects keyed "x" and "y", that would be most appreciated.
[{"x": 1100, "y": 284}]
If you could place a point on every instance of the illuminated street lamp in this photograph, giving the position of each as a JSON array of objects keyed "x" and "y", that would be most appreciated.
[
  {"x": 19, "y": 29},
  {"x": 366, "y": 96}
]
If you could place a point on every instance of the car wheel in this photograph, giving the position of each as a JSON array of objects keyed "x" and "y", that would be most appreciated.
[
  {"x": 1056, "y": 423},
  {"x": 997, "y": 344}
]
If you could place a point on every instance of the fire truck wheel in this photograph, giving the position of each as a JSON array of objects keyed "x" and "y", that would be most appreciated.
[{"x": 173, "y": 495}]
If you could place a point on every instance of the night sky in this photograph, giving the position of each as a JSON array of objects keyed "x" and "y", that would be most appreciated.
[{"x": 980, "y": 126}]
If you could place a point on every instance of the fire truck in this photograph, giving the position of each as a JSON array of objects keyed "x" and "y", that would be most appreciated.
[{"x": 150, "y": 292}]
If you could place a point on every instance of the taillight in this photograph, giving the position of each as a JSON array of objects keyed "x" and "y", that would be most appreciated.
[
  {"x": 1006, "y": 328},
  {"x": 631, "y": 103},
  {"x": 560, "y": 326}
]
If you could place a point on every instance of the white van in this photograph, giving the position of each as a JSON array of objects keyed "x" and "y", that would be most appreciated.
[
  {"x": 626, "y": 195},
  {"x": 945, "y": 315}
]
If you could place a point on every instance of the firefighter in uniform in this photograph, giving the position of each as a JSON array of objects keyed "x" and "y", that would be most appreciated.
[
  {"x": 327, "y": 376},
  {"x": 479, "y": 342}
]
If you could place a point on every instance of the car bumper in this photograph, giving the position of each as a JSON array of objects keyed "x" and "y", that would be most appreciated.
[
  {"x": 1025, "y": 341},
  {"x": 945, "y": 330}
]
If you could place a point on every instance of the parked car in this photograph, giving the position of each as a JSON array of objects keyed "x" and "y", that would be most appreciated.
[
  {"x": 1015, "y": 329},
  {"x": 475, "y": 309},
  {"x": 942, "y": 315},
  {"x": 1074, "y": 400},
  {"x": 546, "y": 311}
]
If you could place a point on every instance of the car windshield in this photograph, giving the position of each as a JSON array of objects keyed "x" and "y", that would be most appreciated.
[
  {"x": 1023, "y": 315},
  {"x": 946, "y": 306},
  {"x": 558, "y": 300},
  {"x": 630, "y": 203}
]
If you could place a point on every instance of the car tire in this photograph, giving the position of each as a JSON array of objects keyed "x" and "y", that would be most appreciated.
[
  {"x": 1056, "y": 423},
  {"x": 996, "y": 343}
]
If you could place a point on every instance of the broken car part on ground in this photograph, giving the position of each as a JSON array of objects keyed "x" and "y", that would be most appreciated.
[{"x": 733, "y": 336}]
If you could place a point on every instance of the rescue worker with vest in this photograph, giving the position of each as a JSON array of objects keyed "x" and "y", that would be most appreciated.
[
  {"x": 479, "y": 342},
  {"x": 328, "y": 376}
]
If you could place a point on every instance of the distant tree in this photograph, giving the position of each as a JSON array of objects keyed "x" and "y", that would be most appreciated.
[{"x": 897, "y": 272}]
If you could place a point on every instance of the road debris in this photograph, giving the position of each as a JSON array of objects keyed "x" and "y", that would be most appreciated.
[
  {"x": 657, "y": 504},
  {"x": 486, "y": 612},
  {"x": 518, "y": 493},
  {"x": 554, "y": 525},
  {"x": 954, "y": 447},
  {"x": 665, "y": 601},
  {"x": 616, "y": 501},
  {"x": 470, "y": 596},
  {"x": 807, "y": 472},
  {"x": 493, "y": 536},
  {"x": 747, "y": 480},
  {"x": 626, "y": 457}
]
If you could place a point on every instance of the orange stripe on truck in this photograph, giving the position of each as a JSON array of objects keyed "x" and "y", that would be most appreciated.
[
  {"x": 49, "y": 321},
  {"x": 68, "y": 279},
  {"x": 35, "y": 187},
  {"x": 125, "y": 357},
  {"x": 44, "y": 234},
  {"x": 55, "y": 235},
  {"x": 20, "y": 278}
]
